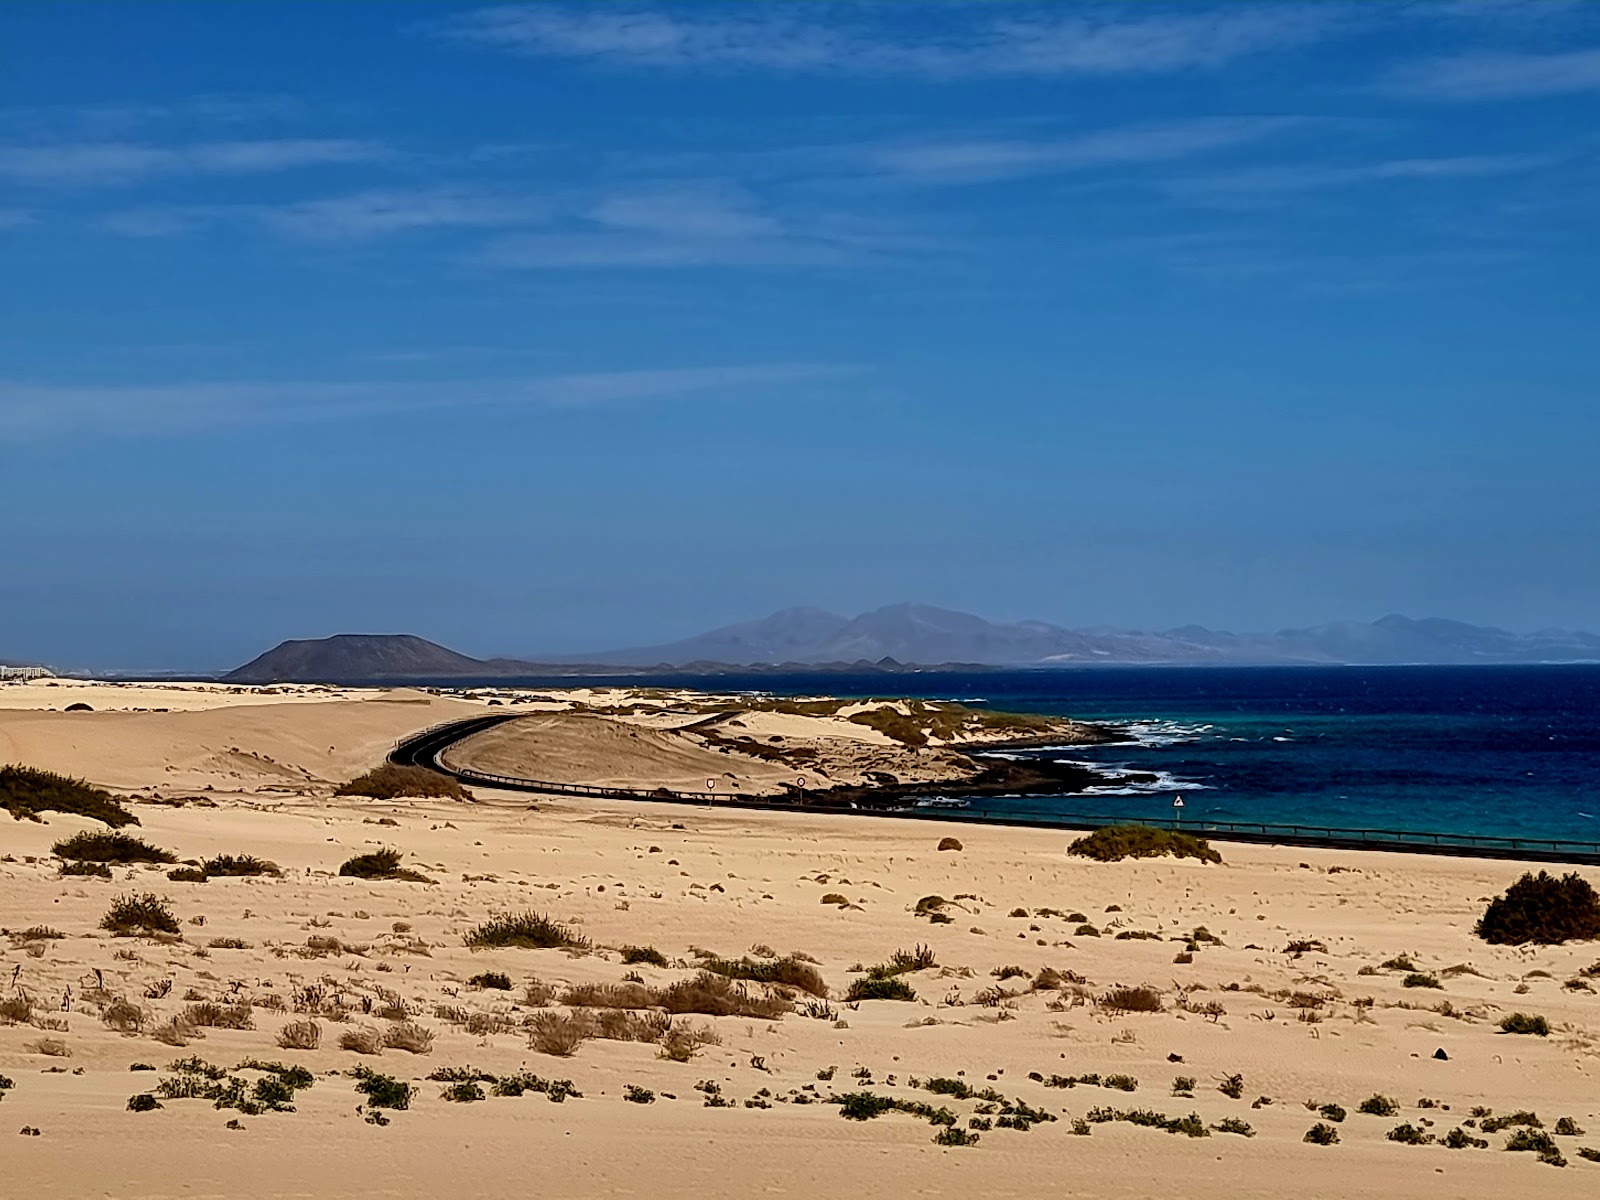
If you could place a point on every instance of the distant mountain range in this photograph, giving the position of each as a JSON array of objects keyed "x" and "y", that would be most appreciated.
[{"x": 904, "y": 636}]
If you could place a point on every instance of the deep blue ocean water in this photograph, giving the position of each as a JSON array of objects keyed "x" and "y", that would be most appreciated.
[{"x": 1500, "y": 751}]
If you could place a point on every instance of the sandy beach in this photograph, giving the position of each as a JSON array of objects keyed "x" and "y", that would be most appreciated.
[{"x": 1285, "y": 986}]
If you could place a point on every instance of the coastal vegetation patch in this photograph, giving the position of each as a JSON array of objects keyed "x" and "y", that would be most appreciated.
[
  {"x": 26, "y": 792},
  {"x": 131, "y": 916},
  {"x": 380, "y": 864},
  {"x": 527, "y": 931},
  {"x": 1542, "y": 909},
  {"x": 103, "y": 847},
  {"x": 1116, "y": 842},
  {"x": 391, "y": 782}
]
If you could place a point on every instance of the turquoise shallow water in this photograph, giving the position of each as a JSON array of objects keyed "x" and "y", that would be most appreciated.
[
  {"x": 1498, "y": 751},
  {"x": 1488, "y": 751}
]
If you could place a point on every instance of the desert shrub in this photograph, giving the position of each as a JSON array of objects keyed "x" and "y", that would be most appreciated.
[
  {"x": 835, "y": 898},
  {"x": 863, "y": 1106},
  {"x": 187, "y": 875},
  {"x": 1538, "y": 1142},
  {"x": 1234, "y": 1125},
  {"x": 54, "y": 1047},
  {"x": 1459, "y": 1139},
  {"x": 1332, "y": 1112},
  {"x": 949, "y": 1135},
  {"x": 97, "y": 870},
  {"x": 1116, "y": 842},
  {"x": 1086, "y": 930},
  {"x": 362, "y": 1040},
  {"x": 892, "y": 723},
  {"x": 1183, "y": 1085},
  {"x": 1409, "y": 1135},
  {"x": 528, "y": 930},
  {"x": 382, "y": 1091},
  {"x": 26, "y": 792},
  {"x": 123, "y": 1016},
  {"x": 1379, "y": 1105},
  {"x": 134, "y": 915},
  {"x": 239, "y": 864},
  {"x": 1521, "y": 1117},
  {"x": 1541, "y": 908},
  {"x": 1010, "y": 972},
  {"x": 681, "y": 1042},
  {"x": 1589, "y": 1154},
  {"x": 789, "y": 972},
  {"x": 1232, "y": 1086},
  {"x": 950, "y": 843},
  {"x": 143, "y": 1102},
  {"x": 559, "y": 1034},
  {"x": 874, "y": 988},
  {"x": 537, "y": 994},
  {"x": 648, "y": 955},
  {"x": 390, "y": 782},
  {"x": 711, "y": 995},
  {"x": 300, "y": 1035},
  {"x": 634, "y": 1094},
  {"x": 208, "y": 1015},
  {"x": 380, "y": 864},
  {"x": 409, "y": 1036},
  {"x": 1523, "y": 1023},
  {"x": 1321, "y": 1134},
  {"x": 113, "y": 847},
  {"x": 228, "y": 943},
  {"x": 1567, "y": 1127},
  {"x": 1418, "y": 979},
  {"x": 1305, "y": 946},
  {"x": 497, "y": 981},
  {"x": 16, "y": 1009},
  {"x": 1131, "y": 1000}
]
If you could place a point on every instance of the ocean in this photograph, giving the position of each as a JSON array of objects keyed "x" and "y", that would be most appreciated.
[{"x": 1495, "y": 751}]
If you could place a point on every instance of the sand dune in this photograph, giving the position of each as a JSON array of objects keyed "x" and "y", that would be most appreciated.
[{"x": 681, "y": 877}]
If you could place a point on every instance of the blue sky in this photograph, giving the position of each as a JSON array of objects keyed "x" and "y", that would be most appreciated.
[{"x": 558, "y": 326}]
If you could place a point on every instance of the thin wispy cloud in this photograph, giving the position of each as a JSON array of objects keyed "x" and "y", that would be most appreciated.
[
  {"x": 1499, "y": 76},
  {"x": 978, "y": 159},
  {"x": 944, "y": 42},
  {"x": 82, "y": 164},
  {"x": 31, "y": 410},
  {"x": 1269, "y": 183}
]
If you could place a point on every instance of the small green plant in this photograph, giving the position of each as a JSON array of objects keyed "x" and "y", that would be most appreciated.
[
  {"x": 463, "y": 1092},
  {"x": 891, "y": 988},
  {"x": 1542, "y": 909},
  {"x": 98, "y": 846},
  {"x": 380, "y": 864},
  {"x": 1116, "y": 842},
  {"x": 1183, "y": 1085},
  {"x": 635, "y": 1094},
  {"x": 1409, "y": 1135},
  {"x": 390, "y": 782},
  {"x": 648, "y": 955},
  {"x": 382, "y": 1091},
  {"x": 131, "y": 916},
  {"x": 1321, "y": 1134},
  {"x": 1234, "y": 1125},
  {"x": 1232, "y": 1086},
  {"x": 863, "y": 1106},
  {"x": 1379, "y": 1105},
  {"x": 527, "y": 930},
  {"x": 1459, "y": 1139},
  {"x": 949, "y": 1135},
  {"x": 239, "y": 864},
  {"x": 25, "y": 792},
  {"x": 1523, "y": 1023}
]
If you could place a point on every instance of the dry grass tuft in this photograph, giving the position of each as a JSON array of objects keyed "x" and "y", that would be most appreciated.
[
  {"x": 300, "y": 1035},
  {"x": 410, "y": 1037}
]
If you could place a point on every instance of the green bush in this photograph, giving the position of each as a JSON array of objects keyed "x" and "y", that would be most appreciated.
[
  {"x": 26, "y": 792},
  {"x": 390, "y": 782},
  {"x": 1116, "y": 842},
  {"x": 97, "y": 846},
  {"x": 239, "y": 864},
  {"x": 528, "y": 930},
  {"x": 1543, "y": 909},
  {"x": 133, "y": 915},
  {"x": 648, "y": 955},
  {"x": 98, "y": 870},
  {"x": 870, "y": 988},
  {"x": 382, "y": 1091},
  {"x": 1523, "y": 1023},
  {"x": 1379, "y": 1105},
  {"x": 1321, "y": 1134},
  {"x": 380, "y": 864},
  {"x": 1409, "y": 1135}
]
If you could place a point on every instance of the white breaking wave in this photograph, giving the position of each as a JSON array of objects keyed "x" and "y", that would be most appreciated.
[
  {"x": 1118, "y": 785},
  {"x": 1156, "y": 733}
]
